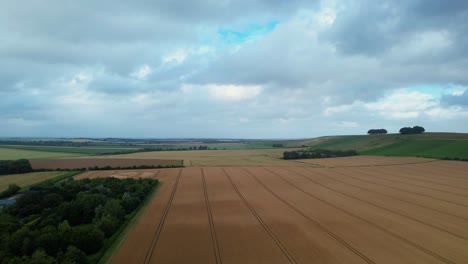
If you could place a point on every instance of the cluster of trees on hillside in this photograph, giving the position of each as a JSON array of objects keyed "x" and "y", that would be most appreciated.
[
  {"x": 68, "y": 221},
  {"x": 377, "y": 131},
  {"x": 15, "y": 166},
  {"x": 412, "y": 130},
  {"x": 317, "y": 154},
  {"x": 277, "y": 145}
]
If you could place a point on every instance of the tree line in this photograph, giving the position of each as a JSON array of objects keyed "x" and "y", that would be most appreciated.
[
  {"x": 317, "y": 154},
  {"x": 68, "y": 222},
  {"x": 15, "y": 166}
]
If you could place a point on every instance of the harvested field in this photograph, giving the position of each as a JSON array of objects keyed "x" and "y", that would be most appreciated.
[
  {"x": 360, "y": 161},
  {"x": 78, "y": 163},
  {"x": 26, "y": 179},
  {"x": 224, "y": 158},
  {"x": 414, "y": 213}
]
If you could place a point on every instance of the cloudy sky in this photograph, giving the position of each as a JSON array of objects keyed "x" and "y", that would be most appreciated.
[{"x": 231, "y": 69}]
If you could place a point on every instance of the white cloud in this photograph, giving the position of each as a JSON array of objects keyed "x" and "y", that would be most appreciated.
[
  {"x": 346, "y": 124},
  {"x": 80, "y": 79},
  {"x": 177, "y": 57},
  {"x": 234, "y": 92},
  {"x": 142, "y": 72},
  {"x": 313, "y": 73},
  {"x": 402, "y": 104},
  {"x": 447, "y": 113},
  {"x": 458, "y": 92},
  {"x": 339, "y": 109},
  {"x": 226, "y": 92}
]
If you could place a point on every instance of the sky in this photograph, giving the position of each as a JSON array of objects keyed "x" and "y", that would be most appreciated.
[{"x": 231, "y": 69}]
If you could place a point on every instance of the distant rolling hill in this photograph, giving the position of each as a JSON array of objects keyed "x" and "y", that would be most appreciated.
[{"x": 430, "y": 145}]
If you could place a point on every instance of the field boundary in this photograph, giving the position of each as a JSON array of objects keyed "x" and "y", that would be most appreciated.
[
  {"x": 56, "y": 179},
  {"x": 121, "y": 234}
]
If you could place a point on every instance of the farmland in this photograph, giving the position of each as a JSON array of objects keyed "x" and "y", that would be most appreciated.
[
  {"x": 253, "y": 157},
  {"x": 71, "y": 150},
  {"x": 429, "y": 145},
  {"x": 363, "y": 161},
  {"x": 27, "y": 179},
  {"x": 75, "y": 163},
  {"x": 413, "y": 212},
  {"x": 14, "y": 154}
]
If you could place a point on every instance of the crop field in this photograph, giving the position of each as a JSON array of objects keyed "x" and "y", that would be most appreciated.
[
  {"x": 72, "y": 150},
  {"x": 200, "y": 158},
  {"x": 429, "y": 145},
  {"x": 425, "y": 148},
  {"x": 27, "y": 179},
  {"x": 14, "y": 154},
  {"x": 77, "y": 163},
  {"x": 410, "y": 213},
  {"x": 361, "y": 160}
]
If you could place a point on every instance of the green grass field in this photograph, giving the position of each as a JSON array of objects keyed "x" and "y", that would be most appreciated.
[
  {"x": 27, "y": 179},
  {"x": 14, "y": 154},
  {"x": 430, "y": 145},
  {"x": 424, "y": 148},
  {"x": 72, "y": 150}
]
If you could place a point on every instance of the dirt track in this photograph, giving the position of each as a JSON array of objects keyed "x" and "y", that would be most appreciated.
[{"x": 414, "y": 213}]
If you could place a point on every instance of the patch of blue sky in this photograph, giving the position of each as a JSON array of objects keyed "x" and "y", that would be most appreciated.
[
  {"x": 436, "y": 90},
  {"x": 250, "y": 32}
]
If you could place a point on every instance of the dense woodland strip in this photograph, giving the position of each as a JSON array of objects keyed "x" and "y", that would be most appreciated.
[
  {"x": 15, "y": 166},
  {"x": 317, "y": 154},
  {"x": 70, "y": 221}
]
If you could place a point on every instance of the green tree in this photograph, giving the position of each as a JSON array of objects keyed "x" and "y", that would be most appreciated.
[
  {"x": 87, "y": 238},
  {"x": 74, "y": 256},
  {"x": 40, "y": 257},
  {"x": 112, "y": 208},
  {"x": 12, "y": 189},
  {"x": 108, "y": 224}
]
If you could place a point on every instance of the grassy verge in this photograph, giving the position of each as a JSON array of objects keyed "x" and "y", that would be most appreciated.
[
  {"x": 54, "y": 180},
  {"x": 115, "y": 241}
]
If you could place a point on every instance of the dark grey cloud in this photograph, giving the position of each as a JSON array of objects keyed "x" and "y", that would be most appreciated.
[
  {"x": 158, "y": 68},
  {"x": 372, "y": 27}
]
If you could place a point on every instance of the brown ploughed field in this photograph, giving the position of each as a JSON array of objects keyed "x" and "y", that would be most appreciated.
[
  {"x": 415, "y": 212},
  {"x": 78, "y": 163}
]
